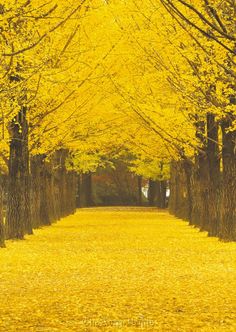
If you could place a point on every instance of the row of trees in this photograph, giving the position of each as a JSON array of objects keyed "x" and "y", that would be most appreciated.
[
  {"x": 204, "y": 187},
  {"x": 183, "y": 96},
  {"x": 50, "y": 195},
  {"x": 154, "y": 80},
  {"x": 42, "y": 73},
  {"x": 52, "y": 61}
]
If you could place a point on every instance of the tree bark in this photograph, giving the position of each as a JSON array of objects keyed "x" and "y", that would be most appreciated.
[
  {"x": 180, "y": 203},
  {"x": 2, "y": 232},
  {"x": 173, "y": 188},
  {"x": 86, "y": 190},
  {"x": 36, "y": 190},
  {"x": 152, "y": 191},
  {"x": 212, "y": 223},
  {"x": 26, "y": 175},
  {"x": 161, "y": 194},
  {"x": 44, "y": 212},
  {"x": 140, "y": 194},
  {"x": 228, "y": 206},
  {"x": 78, "y": 192},
  {"x": 18, "y": 204}
]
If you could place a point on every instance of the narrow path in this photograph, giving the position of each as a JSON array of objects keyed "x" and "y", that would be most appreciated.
[{"x": 118, "y": 270}]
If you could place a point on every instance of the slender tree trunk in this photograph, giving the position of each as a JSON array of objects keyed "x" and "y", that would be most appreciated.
[
  {"x": 78, "y": 194},
  {"x": 15, "y": 225},
  {"x": 228, "y": 206},
  {"x": 63, "y": 191},
  {"x": 205, "y": 179},
  {"x": 18, "y": 205},
  {"x": 188, "y": 168},
  {"x": 36, "y": 190},
  {"x": 61, "y": 158},
  {"x": 75, "y": 184},
  {"x": 2, "y": 233},
  {"x": 200, "y": 213},
  {"x": 140, "y": 194},
  {"x": 200, "y": 180},
  {"x": 56, "y": 195},
  {"x": 44, "y": 196},
  {"x": 86, "y": 190},
  {"x": 180, "y": 203},
  {"x": 173, "y": 188},
  {"x": 26, "y": 175},
  {"x": 161, "y": 194},
  {"x": 152, "y": 191},
  {"x": 51, "y": 193},
  {"x": 212, "y": 223},
  {"x": 71, "y": 191}
]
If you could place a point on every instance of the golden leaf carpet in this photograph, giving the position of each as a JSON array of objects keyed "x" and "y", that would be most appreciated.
[{"x": 118, "y": 269}]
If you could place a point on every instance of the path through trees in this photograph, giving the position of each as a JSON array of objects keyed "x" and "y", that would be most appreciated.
[
  {"x": 118, "y": 269},
  {"x": 89, "y": 83}
]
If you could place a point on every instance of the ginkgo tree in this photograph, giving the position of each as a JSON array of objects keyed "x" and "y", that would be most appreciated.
[
  {"x": 28, "y": 51},
  {"x": 190, "y": 48},
  {"x": 85, "y": 83}
]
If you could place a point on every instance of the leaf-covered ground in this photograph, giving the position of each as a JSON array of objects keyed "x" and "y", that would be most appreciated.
[{"x": 118, "y": 269}]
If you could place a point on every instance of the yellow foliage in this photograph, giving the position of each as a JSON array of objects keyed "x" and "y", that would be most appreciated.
[
  {"x": 135, "y": 268},
  {"x": 133, "y": 64}
]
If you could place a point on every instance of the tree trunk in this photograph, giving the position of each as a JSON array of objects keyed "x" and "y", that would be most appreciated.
[
  {"x": 71, "y": 192},
  {"x": 18, "y": 205},
  {"x": 152, "y": 191},
  {"x": 200, "y": 185},
  {"x": 140, "y": 194},
  {"x": 161, "y": 194},
  {"x": 56, "y": 195},
  {"x": 26, "y": 175},
  {"x": 86, "y": 190},
  {"x": 188, "y": 168},
  {"x": 180, "y": 203},
  {"x": 228, "y": 206},
  {"x": 200, "y": 180},
  {"x": 2, "y": 235},
  {"x": 212, "y": 223},
  {"x": 173, "y": 188},
  {"x": 78, "y": 193},
  {"x": 44, "y": 195},
  {"x": 36, "y": 190}
]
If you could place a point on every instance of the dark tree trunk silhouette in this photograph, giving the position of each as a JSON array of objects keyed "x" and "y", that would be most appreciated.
[
  {"x": 152, "y": 191},
  {"x": 44, "y": 195},
  {"x": 2, "y": 233},
  {"x": 228, "y": 205},
  {"x": 212, "y": 223},
  {"x": 86, "y": 190},
  {"x": 161, "y": 194},
  {"x": 36, "y": 190},
  {"x": 180, "y": 202},
  {"x": 18, "y": 205},
  {"x": 140, "y": 194},
  {"x": 78, "y": 193}
]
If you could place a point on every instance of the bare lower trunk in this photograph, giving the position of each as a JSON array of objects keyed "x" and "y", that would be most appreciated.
[
  {"x": 36, "y": 190},
  {"x": 71, "y": 190},
  {"x": 228, "y": 206},
  {"x": 86, "y": 190},
  {"x": 152, "y": 191},
  {"x": 180, "y": 203},
  {"x": 2, "y": 233},
  {"x": 161, "y": 194},
  {"x": 212, "y": 223},
  {"x": 78, "y": 192},
  {"x": 44, "y": 194},
  {"x": 140, "y": 194},
  {"x": 173, "y": 188},
  {"x": 18, "y": 205}
]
